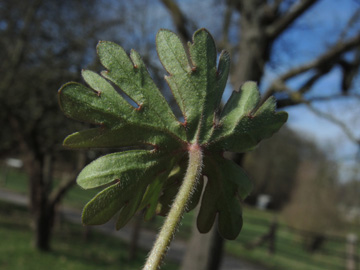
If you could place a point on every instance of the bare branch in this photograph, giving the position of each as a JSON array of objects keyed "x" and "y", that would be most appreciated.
[
  {"x": 61, "y": 190},
  {"x": 349, "y": 69},
  {"x": 311, "y": 81},
  {"x": 281, "y": 24},
  {"x": 354, "y": 18},
  {"x": 322, "y": 64},
  {"x": 334, "y": 120},
  {"x": 297, "y": 98},
  {"x": 179, "y": 19},
  {"x": 276, "y": 4},
  {"x": 293, "y": 97},
  {"x": 332, "y": 97},
  {"x": 226, "y": 24},
  {"x": 331, "y": 55},
  {"x": 57, "y": 194}
]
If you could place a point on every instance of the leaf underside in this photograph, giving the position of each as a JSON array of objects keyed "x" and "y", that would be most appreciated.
[{"x": 149, "y": 176}]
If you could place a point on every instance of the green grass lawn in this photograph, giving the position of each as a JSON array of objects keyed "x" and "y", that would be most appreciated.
[
  {"x": 290, "y": 253},
  {"x": 15, "y": 180},
  {"x": 71, "y": 250}
]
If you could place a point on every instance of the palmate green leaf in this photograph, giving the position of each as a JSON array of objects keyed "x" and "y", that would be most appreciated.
[{"x": 149, "y": 176}]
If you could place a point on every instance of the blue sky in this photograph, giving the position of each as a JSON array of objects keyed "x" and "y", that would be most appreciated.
[{"x": 317, "y": 31}]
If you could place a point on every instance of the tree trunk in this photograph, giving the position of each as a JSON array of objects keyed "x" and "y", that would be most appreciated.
[
  {"x": 198, "y": 249},
  {"x": 254, "y": 45},
  {"x": 43, "y": 202},
  {"x": 43, "y": 224},
  {"x": 40, "y": 178},
  {"x": 216, "y": 251},
  {"x": 204, "y": 251}
]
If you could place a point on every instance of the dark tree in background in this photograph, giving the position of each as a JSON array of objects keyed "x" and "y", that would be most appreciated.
[
  {"x": 35, "y": 62},
  {"x": 43, "y": 44}
]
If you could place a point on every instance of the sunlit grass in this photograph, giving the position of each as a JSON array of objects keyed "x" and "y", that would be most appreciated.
[
  {"x": 16, "y": 180},
  {"x": 290, "y": 251},
  {"x": 71, "y": 250}
]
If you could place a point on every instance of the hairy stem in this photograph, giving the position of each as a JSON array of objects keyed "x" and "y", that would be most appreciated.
[{"x": 178, "y": 207}]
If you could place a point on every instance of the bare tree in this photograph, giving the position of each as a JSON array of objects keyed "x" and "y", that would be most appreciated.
[{"x": 42, "y": 46}]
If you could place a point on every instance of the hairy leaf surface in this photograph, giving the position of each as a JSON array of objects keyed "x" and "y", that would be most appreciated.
[{"x": 149, "y": 175}]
